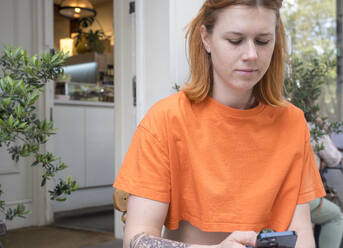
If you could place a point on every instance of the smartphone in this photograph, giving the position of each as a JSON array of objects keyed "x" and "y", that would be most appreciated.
[{"x": 285, "y": 239}]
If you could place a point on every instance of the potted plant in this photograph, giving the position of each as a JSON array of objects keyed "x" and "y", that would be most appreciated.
[
  {"x": 304, "y": 81},
  {"x": 91, "y": 41},
  {"x": 22, "y": 133}
]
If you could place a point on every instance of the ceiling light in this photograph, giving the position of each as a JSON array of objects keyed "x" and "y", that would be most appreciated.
[{"x": 77, "y": 9}]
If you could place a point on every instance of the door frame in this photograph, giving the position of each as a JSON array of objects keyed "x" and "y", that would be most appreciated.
[
  {"x": 124, "y": 110},
  {"x": 42, "y": 40}
]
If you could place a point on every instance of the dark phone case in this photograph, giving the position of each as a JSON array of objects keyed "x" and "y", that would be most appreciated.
[{"x": 285, "y": 239}]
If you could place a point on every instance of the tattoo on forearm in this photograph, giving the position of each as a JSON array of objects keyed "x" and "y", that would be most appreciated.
[{"x": 143, "y": 240}]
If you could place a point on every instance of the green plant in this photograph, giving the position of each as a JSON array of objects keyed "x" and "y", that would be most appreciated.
[
  {"x": 21, "y": 132},
  {"x": 304, "y": 81},
  {"x": 176, "y": 87},
  {"x": 311, "y": 31},
  {"x": 90, "y": 41}
]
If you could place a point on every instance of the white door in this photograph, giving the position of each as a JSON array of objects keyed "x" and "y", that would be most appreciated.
[{"x": 27, "y": 24}]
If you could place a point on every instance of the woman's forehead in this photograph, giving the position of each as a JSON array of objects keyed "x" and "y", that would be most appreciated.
[{"x": 246, "y": 19}]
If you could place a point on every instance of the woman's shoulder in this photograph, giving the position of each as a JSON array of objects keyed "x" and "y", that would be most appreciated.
[
  {"x": 166, "y": 108},
  {"x": 288, "y": 110},
  {"x": 169, "y": 103}
]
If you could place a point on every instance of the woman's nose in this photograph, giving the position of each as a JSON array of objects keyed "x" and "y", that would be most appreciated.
[{"x": 250, "y": 52}]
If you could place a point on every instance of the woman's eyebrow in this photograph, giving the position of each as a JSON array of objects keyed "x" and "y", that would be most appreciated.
[
  {"x": 265, "y": 34},
  {"x": 241, "y": 34}
]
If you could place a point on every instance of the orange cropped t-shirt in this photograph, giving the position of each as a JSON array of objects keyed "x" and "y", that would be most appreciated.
[{"x": 222, "y": 169}]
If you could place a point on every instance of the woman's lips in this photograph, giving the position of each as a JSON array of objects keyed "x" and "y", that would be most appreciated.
[{"x": 246, "y": 72}]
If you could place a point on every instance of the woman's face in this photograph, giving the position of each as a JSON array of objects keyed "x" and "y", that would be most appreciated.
[{"x": 241, "y": 46}]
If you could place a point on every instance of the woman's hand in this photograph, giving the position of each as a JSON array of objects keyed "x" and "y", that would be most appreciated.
[{"x": 239, "y": 239}]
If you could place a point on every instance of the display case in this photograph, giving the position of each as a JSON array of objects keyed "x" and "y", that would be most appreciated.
[
  {"x": 84, "y": 91},
  {"x": 89, "y": 77}
]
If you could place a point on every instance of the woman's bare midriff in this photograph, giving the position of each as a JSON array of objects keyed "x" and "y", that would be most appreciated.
[{"x": 187, "y": 233}]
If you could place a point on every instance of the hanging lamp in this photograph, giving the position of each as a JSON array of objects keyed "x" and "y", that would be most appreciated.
[{"x": 77, "y": 9}]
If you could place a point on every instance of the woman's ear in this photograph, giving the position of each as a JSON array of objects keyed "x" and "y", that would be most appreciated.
[{"x": 205, "y": 37}]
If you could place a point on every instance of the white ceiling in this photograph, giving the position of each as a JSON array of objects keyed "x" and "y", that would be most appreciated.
[{"x": 94, "y": 2}]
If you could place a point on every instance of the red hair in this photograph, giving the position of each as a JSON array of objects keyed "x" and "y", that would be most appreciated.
[{"x": 270, "y": 88}]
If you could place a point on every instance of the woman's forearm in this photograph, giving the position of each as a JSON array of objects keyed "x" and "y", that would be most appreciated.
[
  {"x": 305, "y": 239},
  {"x": 143, "y": 240}
]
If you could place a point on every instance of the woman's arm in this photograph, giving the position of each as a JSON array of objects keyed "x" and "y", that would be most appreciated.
[
  {"x": 329, "y": 154},
  {"x": 301, "y": 223},
  {"x": 145, "y": 219}
]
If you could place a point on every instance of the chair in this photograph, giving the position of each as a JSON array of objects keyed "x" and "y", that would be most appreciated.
[{"x": 120, "y": 202}]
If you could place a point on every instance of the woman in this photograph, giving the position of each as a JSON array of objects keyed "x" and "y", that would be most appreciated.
[
  {"x": 226, "y": 157},
  {"x": 324, "y": 212}
]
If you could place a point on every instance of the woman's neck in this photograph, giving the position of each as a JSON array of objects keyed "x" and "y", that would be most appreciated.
[{"x": 238, "y": 100}]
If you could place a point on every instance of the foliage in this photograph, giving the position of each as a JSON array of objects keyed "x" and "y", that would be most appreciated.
[
  {"x": 176, "y": 87},
  {"x": 63, "y": 188},
  {"x": 311, "y": 25},
  {"x": 89, "y": 41},
  {"x": 304, "y": 81},
  {"x": 21, "y": 132},
  {"x": 10, "y": 213},
  {"x": 311, "y": 30},
  {"x": 311, "y": 78}
]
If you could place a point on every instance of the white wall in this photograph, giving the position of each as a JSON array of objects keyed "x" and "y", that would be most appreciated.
[
  {"x": 153, "y": 63},
  {"x": 181, "y": 14},
  {"x": 161, "y": 48}
]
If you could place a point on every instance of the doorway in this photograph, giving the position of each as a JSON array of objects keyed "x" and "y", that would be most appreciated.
[{"x": 95, "y": 129}]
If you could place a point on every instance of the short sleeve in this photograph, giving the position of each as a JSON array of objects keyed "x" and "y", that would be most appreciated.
[
  {"x": 145, "y": 170},
  {"x": 311, "y": 186}
]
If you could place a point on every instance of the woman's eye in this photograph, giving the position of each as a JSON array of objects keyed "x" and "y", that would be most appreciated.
[
  {"x": 262, "y": 42},
  {"x": 235, "y": 42}
]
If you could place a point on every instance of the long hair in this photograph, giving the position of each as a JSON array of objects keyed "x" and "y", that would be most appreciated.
[{"x": 269, "y": 90}]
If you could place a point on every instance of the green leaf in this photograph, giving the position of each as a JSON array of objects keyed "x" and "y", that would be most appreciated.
[
  {"x": 23, "y": 125},
  {"x": 61, "y": 199},
  {"x": 69, "y": 179},
  {"x": 5, "y": 102},
  {"x": 21, "y": 84},
  {"x": 33, "y": 98},
  {"x": 10, "y": 121}
]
